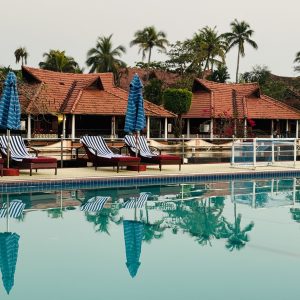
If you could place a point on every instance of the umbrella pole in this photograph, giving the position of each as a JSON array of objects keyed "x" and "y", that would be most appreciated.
[
  {"x": 7, "y": 211},
  {"x": 8, "y": 147}
]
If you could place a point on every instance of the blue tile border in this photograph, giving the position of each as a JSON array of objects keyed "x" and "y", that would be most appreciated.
[{"x": 68, "y": 184}]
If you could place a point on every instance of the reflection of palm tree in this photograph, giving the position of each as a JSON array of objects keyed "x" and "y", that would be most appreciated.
[
  {"x": 153, "y": 231},
  {"x": 55, "y": 213},
  {"x": 237, "y": 237},
  {"x": 295, "y": 214}
]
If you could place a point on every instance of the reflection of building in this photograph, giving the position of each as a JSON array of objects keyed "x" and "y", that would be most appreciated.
[{"x": 264, "y": 193}]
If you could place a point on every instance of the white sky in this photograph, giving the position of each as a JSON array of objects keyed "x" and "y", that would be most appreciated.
[{"x": 74, "y": 26}]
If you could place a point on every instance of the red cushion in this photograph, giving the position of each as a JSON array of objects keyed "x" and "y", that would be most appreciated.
[
  {"x": 159, "y": 158},
  {"x": 125, "y": 158},
  {"x": 40, "y": 159}
]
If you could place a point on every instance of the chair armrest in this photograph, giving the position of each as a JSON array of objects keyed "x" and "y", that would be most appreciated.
[
  {"x": 36, "y": 152},
  {"x": 155, "y": 149}
]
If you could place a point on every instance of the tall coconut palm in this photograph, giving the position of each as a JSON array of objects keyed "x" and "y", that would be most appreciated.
[
  {"x": 147, "y": 39},
  {"x": 21, "y": 54},
  {"x": 104, "y": 58},
  {"x": 297, "y": 60},
  {"x": 213, "y": 45},
  {"x": 240, "y": 34},
  {"x": 56, "y": 60}
]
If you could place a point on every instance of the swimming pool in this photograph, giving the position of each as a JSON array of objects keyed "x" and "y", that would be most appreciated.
[{"x": 221, "y": 240}]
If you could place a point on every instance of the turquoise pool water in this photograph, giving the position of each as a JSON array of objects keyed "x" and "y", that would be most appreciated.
[{"x": 223, "y": 240}]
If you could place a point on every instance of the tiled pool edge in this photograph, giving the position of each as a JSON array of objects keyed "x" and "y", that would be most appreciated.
[{"x": 124, "y": 181}]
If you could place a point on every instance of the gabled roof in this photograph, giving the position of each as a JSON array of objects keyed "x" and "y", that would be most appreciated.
[
  {"x": 215, "y": 100},
  {"x": 69, "y": 93}
]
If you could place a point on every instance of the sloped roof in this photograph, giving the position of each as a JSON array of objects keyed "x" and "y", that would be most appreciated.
[
  {"x": 69, "y": 93},
  {"x": 215, "y": 100},
  {"x": 167, "y": 78}
]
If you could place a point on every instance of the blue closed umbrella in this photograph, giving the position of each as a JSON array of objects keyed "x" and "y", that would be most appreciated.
[
  {"x": 135, "y": 119},
  {"x": 10, "y": 112}
]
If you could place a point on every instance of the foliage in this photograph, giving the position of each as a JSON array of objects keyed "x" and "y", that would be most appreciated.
[
  {"x": 297, "y": 60},
  {"x": 240, "y": 34},
  {"x": 104, "y": 58},
  {"x": 153, "y": 91},
  {"x": 21, "y": 54},
  {"x": 178, "y": 101},
  {"x": 147, "y": 39},
  {"x": 219, "y": 75},
  {"x": 56, "y": 60}
]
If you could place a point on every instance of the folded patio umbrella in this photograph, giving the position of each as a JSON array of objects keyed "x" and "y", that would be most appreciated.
[{"x": 10, "y": 112}]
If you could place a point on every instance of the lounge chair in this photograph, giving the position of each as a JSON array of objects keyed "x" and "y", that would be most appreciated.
[
  {"x": 22, "y": 159},
  {"x": 150, "y": 154},
  {"x": 100, "y": 155},
  {"x": 1, "y": 166}
]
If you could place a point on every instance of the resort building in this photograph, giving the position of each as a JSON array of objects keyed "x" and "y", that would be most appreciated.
[
  {"x": 223, "y": 110},
  {"x": 73, "y": 105}
]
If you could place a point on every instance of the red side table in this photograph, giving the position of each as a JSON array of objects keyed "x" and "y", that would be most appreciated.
[{"x": 10, "y": 172}]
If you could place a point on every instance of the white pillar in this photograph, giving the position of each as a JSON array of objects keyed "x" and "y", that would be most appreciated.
[
  {"x": 73, "y": 135},
  {"x": 113, "y": 127},
  {"x": 148, "y": 127},
  {"x": 29, "y": 127},
  {"x": 287, "y": 126},
  {"x": 272, "y": 128},
  {"x": 211, "y": 128},
  {"x": 188, "y": 128},
  {"x": 245, "y": 128},
  {"x": 166, "y": 129},
  {"x": 297, "y": 129},
  {"x": 64, "y": 127}
]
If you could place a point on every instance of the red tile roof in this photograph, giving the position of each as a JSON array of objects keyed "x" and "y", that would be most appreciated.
[
  {"x": 212, "y": 100},
  {"x": 67, "y": 93}
]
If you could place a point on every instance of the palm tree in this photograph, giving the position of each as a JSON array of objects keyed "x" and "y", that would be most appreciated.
[
  {"x": 21, "y": 54},
  {"x": 147, "y": 39},
  {"x": 297, "y": 60},
  {"x": 104, "y": 58},
  {"x": 57, "y": 60},
  {"x": 240, "y": 34},
  {"x": 213, "y": 45}
]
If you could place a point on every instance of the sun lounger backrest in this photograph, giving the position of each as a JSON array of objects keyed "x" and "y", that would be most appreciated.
[
  {"x": 137, "y": 203},
  {"x": 130, "y": 141},
  {"x": 144, "y": 148},
  {"x": 18, "y": 150},
  {"x": 94, "y": 204},
  {"x": 97, "y": 146}
]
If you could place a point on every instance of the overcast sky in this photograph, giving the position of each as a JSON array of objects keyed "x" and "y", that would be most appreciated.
[{"x": 74, "y": 26}]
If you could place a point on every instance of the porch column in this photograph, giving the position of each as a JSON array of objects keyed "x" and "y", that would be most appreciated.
[
  {"x": 297, "y": 129},
  {"x": 64, "y": 126},
  {"x": 245, "y": 128},
  {"x": 287, "y": 127},
  {"x": 211, "y": 128},
  {"x": 29, "y": 127},
  {"x": 166, "y": 129},
  {"x": 73, "y": 134},
  {"x": 188, "y": 128},
  {"x": 113, "y": 126},
  {"x": 272, "y": 128},
  {"x": 148, "y": 127}
]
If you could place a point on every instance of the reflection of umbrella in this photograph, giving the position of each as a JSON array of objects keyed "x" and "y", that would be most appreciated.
[
  {"x": 133, "y": 235},
  {"x": 94, "y": 204},
  {"x": 9, "y": 246},
  {"x": 135, "y": 119},
  {"x": 10, "y": 108}
]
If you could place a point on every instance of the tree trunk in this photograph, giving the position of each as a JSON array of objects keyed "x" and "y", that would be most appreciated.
[
  {"x": 237, "y": 67},
  {"x": 148, "y": 66}
]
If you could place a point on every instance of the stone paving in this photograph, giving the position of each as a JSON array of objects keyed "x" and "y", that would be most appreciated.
[{"x": 104, "y": 172}]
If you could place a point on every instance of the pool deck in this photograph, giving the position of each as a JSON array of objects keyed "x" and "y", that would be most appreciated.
[{"x": 152, "y": 171}]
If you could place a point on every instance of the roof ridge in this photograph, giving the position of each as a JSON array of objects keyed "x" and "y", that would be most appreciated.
[{"x": 67, "y": 97}]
